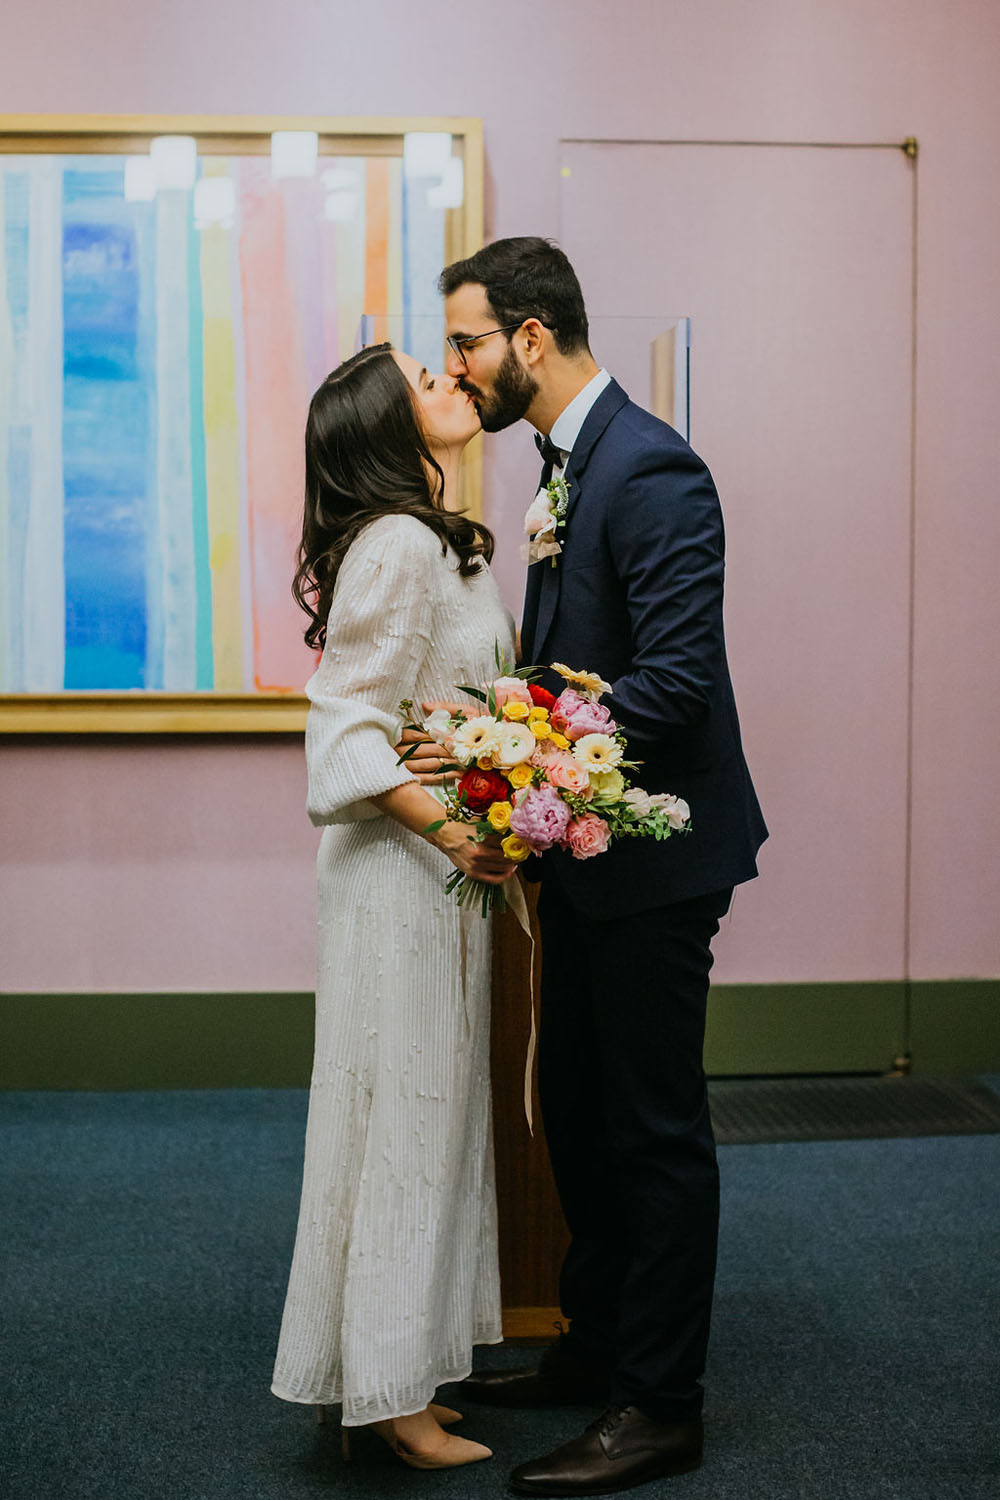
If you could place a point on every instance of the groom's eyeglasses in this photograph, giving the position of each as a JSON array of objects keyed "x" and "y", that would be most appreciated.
[{"x": 458, "y": 345}]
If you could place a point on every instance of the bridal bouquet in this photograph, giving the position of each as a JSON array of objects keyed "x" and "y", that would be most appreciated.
[{"x": 542, "y": 771}]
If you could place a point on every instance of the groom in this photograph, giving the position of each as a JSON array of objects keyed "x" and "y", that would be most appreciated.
[{"x": 635, "y": 595}]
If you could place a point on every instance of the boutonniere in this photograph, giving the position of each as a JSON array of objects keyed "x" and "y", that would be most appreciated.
[{"x": 545, "y": 516}]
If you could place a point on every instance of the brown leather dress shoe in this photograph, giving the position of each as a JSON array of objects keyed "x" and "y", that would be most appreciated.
[
  {"x": 561, "y": 1378},
  {"x": 622, "y": 1448}
]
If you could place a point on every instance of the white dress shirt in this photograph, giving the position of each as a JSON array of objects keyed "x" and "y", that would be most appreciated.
[{"x": 566, "y": 427}]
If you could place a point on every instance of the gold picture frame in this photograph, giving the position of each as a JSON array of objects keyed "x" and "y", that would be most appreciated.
[{"x": 140, "y": 710}]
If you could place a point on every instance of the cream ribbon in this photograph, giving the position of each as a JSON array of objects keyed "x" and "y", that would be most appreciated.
[
  {"x": 518, "y": 905},
  {"x": 533, "y": 552}
]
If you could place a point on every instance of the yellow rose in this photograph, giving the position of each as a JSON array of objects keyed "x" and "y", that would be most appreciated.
[
  {"x": 536, "y": 715},
  {"x": 515, "y": 848},
  {"x": 519, "y": 775},
  {"x": 540, "y": 729},
  {"x": 559, "y": 740},
  {"x": 485, "y": 763},
  {"x": 499, "y": 815},
  {"x": 515, "y": 710}
]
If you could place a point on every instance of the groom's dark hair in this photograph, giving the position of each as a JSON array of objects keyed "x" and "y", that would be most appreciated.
[{"x": 526, "y": 278}]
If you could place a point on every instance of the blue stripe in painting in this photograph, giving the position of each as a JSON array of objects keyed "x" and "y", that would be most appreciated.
[
  {"x": 104, "y": 435},
  {"x": 145, "y": 239},
  {"x": 16, "y": 251},
  {"x": 204, "y": 657}
]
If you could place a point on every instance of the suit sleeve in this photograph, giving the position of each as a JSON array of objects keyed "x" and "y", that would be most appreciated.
[{"x": 667, "y": 544}]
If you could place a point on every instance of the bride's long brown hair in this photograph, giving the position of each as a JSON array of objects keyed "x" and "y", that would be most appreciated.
[{"x": 366, "y": 457}]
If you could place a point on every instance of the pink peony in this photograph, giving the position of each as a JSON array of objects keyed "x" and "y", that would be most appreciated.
[
  {"x": 539, "y": 817},
  {"x": 586, "y": 836},
  {"x": 574, "y": 716},
  {"x": 565, "y": 772},
  {"x": 511, "y": 690}
]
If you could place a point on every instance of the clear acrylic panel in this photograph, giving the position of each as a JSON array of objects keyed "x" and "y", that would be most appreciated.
[{"x": 649, "y": 357}]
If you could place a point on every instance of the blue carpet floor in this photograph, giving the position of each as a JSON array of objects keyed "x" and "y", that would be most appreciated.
[{"x": 146, "y": 1241}]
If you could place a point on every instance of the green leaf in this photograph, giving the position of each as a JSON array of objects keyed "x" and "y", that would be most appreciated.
[
  {"x": 473, "y": 692},
  {"x": 433, "y": 827},
  {"x": 491, "y": 701},
  {"x": 407, "y": 754}
]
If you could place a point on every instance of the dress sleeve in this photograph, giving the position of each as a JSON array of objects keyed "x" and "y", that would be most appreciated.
[{"x": 377, "y": 635}]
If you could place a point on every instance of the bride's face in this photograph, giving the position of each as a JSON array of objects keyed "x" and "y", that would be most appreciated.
[{"x": 447, "y": 416}]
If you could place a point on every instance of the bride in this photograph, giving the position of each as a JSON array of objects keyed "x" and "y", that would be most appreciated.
[{"x": 394, "y": 1276}]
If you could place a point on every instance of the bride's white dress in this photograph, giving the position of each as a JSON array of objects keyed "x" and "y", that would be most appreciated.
[{"x": 394, "y": 1276}]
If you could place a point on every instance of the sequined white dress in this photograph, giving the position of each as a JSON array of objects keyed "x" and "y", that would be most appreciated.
[{"x": 394, "y": 1276}]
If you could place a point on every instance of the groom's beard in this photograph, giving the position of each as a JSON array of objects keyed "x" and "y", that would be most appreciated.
[{"x": 513, "y": 392}]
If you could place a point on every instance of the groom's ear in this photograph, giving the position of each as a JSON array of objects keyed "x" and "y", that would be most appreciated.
[{"x": 535, "y": 335}]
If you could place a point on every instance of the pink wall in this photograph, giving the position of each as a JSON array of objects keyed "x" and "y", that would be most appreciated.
[{"x": 183, "y": 865}]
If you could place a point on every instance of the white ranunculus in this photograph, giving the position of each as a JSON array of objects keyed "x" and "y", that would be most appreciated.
[
  {"x": 514, "y": 743},
  {"x": 639, "y": 801},
  {"x": 438, "y": 725},
  {"x": 676, "y": 808}
]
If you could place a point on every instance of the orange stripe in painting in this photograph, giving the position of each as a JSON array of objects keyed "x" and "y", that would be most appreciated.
[
  {"x": 377, "y": 227},
  {"x": 277, "y": 399}
]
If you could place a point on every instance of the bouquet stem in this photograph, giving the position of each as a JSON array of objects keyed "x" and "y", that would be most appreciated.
[{"x": 473, "y": 894}]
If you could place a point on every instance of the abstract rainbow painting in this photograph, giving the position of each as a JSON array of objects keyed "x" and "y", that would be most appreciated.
[{"x": 156, "y": 365}]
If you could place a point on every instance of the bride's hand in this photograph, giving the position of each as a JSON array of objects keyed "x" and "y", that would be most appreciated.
[
  {"x": 484, "y": 861},
  {"x": 425, "y": 764}
]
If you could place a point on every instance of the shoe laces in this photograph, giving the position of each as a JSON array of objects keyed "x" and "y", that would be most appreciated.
[{"x": 608, "y": 1421}]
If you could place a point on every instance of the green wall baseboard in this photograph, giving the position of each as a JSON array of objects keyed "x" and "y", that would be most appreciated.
[{"x": 168, "y": 1041}]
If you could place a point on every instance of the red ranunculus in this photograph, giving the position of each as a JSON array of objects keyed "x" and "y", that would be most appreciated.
[
  {"x": 541, "y": 697},
  {"x": 483, "y": 787}
]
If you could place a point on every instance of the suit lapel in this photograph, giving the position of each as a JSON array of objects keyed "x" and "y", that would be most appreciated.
[{"x": 542, "y": 592}]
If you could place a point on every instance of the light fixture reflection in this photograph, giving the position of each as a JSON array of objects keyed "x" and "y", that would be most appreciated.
[
  {"x": 140, "y": 180},
  {"x": 426, "y": 153},
  {"x": 341, "y": 207},
  {"x": 294, "y": 153},
  {"x": 214, "y": 202},
  {"x": 450, "y": 192},
  {"x": 175, "y": 160}
]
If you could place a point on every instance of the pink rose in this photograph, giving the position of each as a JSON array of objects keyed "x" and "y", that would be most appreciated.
[
  {"x": 545, "y": 753},
  {"x": 511, "y": 690},
  {"x": 574, "y": 716},
  {"x": 586, "y": 836},
  {"x": 563, "y": 771},
  {"x": 539, "y": 817}
]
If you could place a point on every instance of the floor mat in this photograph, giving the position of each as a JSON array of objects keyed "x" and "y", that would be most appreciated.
[{"x": 752, "y": 1111}]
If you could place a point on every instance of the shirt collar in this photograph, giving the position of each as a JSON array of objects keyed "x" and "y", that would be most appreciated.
[{"x": 566, "y": 427}]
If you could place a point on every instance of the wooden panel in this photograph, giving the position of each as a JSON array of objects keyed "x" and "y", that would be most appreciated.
[{"x": 533, "y": 1235}]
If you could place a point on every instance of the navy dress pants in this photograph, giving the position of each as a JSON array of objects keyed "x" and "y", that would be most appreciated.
[{"x": 626, "y": 1118}]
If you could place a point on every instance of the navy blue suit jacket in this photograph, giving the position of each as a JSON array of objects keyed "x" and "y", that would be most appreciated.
[{"x": 636, "y": 595}]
